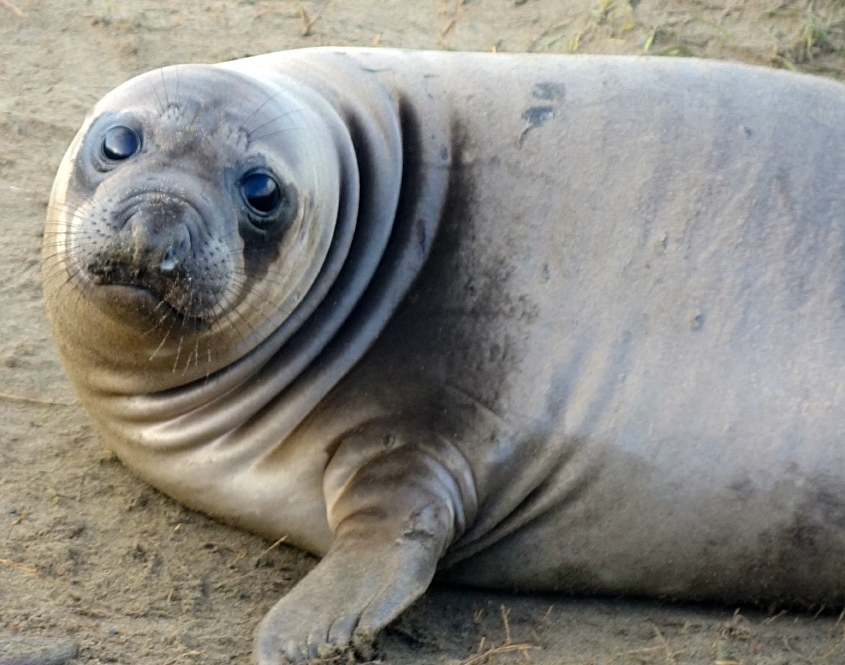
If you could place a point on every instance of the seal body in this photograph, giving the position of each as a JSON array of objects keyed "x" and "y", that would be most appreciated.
[{"x": 535, "y": 322}]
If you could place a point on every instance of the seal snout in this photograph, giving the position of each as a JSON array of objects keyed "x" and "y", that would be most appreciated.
[
  {"x": 152, "y": 247},
  {"x": 157, "y": 243}
]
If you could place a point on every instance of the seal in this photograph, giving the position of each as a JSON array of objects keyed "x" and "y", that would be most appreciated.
[{"x": 528, "y": 322}]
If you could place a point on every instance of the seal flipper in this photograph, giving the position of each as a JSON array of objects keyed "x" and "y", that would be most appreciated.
[
  {"x": 395, "y": 507},
  {"x": 370, "y": 575}
]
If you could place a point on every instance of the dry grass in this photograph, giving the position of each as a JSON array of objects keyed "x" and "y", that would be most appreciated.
[{"x": 804, "y": 35}]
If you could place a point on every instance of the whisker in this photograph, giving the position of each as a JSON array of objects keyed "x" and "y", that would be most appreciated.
[
  {"x": 278, "y": 131},
  {"x": 160, "y": 346},
  {"x": 269, "y": 99},
  {"x": 159, "y": 104},
  {"x": 164, "y": 85},
  {"x": 272, "y": 120}
]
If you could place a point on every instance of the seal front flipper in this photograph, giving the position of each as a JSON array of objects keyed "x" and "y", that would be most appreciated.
[
  {"x": 371, "y": 574},
  {"x": 395, "y": 504}
]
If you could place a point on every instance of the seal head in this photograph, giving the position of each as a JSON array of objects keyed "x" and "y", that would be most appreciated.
[{"x": 198, "y": 221}]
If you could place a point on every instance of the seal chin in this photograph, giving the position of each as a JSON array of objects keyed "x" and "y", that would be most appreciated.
[
  {"x": 130, "y": 297},
  {"x": 137, "y": 303}
]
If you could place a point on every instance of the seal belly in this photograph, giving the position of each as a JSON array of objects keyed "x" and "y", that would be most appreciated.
[{"x": 638, "y": 279}]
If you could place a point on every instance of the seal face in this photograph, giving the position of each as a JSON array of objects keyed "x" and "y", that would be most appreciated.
[
  {"x": 564, "y": 324},
  {"x": 153, "y": 239},
  {"x": 157, "y": 227}
]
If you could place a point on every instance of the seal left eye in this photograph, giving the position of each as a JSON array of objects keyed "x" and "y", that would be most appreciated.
[
  {"x": 261, "y": 193},
  {"x": 121, "y": 143}
]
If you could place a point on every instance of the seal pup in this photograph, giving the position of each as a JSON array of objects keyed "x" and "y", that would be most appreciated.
[{"x": 532, "y": 322}]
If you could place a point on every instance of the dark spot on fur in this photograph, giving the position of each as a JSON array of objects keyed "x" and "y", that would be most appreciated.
[
  {"x": 696, "y": 321},
  {"x": 538, "y": 115},
  {"x": 744, "y": 488},
  {"x": 548, "y": 91}
]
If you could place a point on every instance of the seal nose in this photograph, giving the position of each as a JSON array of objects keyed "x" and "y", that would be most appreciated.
[
  {"x": 160, "y": 239},
  {"x": 173, "y": 255}
]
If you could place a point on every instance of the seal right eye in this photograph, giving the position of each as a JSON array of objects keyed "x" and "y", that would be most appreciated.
[{"x": 120, "y": 143}]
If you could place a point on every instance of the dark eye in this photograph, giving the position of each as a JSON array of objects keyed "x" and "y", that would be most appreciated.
[
  {"x": 261, "y": 193},
  {"x": 120, "y": 143}
]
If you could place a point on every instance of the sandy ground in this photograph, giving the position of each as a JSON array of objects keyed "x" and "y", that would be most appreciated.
[{"x": 89, "y": 553}]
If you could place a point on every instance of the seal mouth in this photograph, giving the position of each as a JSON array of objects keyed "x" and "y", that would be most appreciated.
[
  {"x": 130, "y": 294},
  {"x": 159, "y": 285},
  {"x": 159, "y": 298},
  {"x": 139, "y": 301}
]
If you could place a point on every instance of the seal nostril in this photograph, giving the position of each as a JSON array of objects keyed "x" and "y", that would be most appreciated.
[
  {"x": 169, "y": 262},
  {"x": 176, "y": 251}
]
